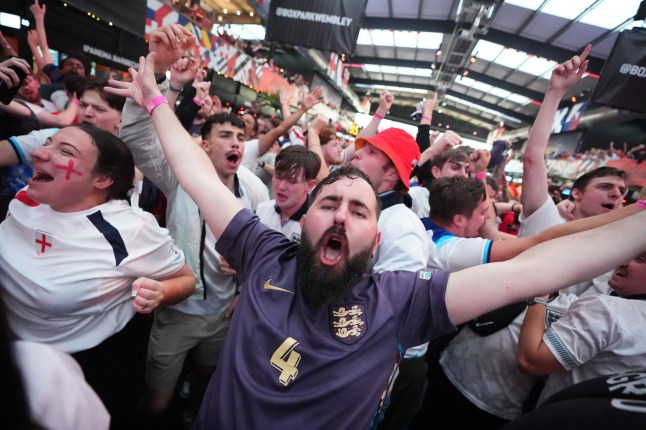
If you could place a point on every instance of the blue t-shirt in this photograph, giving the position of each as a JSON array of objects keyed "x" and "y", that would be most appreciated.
[{"x": 287, "y": 364}]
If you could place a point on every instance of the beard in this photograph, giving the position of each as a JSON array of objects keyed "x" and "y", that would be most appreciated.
[{"x": 320, "y": 284}]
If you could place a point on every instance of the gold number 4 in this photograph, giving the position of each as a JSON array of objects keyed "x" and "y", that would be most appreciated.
[{"x": 286, "y": 360}]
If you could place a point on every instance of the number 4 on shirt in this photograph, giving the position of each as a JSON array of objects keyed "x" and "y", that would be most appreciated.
[{"x": 286, "y": 360}]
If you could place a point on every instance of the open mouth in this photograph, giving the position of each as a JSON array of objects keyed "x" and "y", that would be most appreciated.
[
  {"x": 332, "y": 249},
  {"x": 233, "y": 158},
  {"x": 621, "y": 273},
  {"x": 40, "y": 176},
  {"x": 608, "y": 206}
]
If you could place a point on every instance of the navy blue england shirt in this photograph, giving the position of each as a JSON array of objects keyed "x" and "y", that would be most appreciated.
[{"x": 287, "y": 364}]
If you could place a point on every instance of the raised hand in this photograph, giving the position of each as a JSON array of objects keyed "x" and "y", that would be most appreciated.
[
  {"x": 38, "y": 11},
  {"x": 566, "y": 75},
  {"x": 429, "y": 105},
  {"x": 386, "y": 99},
  {"x": 143, "y": 87},
  {"x": 183, "y": 71},
  {"x": 312, "y": 98},
  {"x": 319, "y": 123},
  {"x": 169, "y": 42},
  {"x": 479, "y": 160}
]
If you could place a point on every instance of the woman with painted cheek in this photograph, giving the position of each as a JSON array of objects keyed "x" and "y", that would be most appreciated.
[{"x": 81, "y": 267}]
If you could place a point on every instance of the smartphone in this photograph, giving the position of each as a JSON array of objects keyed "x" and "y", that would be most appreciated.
[{"x": 7, "y": 94}]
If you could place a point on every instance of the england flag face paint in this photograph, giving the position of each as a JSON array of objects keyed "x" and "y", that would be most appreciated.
[{"x": 64, "y": 174}]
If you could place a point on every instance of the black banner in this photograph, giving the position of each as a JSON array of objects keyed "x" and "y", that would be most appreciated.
[
  {"x": 623, "y": 80},
  {"x": 331, "y": 25}
]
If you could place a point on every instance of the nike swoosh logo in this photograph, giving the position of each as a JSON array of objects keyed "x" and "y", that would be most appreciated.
[{"x": 268, "y": 286}]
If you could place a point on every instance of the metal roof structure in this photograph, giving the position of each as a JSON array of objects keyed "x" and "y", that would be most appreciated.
[{"x": 493, "y": 59}]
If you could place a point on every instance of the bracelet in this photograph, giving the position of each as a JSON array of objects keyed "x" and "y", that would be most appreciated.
[
  {"x": 378, "y": 115},
  {"x": 537, "y": 300},
  {"x": 641, "y": 204},
  {"x": 426, "y": 117},
  {"x": 480, "y": 175},
  {"x": 197, "y": 101},
  {"x": 160, "y": 78},
  {"x": 154, "y": 102},
  {"x": 173, "y": 89}
]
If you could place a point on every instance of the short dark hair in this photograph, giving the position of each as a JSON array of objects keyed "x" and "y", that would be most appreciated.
[
  {"x": 349, "y": 173},
  {"x": 114, "y": 101},
  {"x": 114, "y": 160},
  {"x": 220, "y": 118},
  {"x": 453, "y": 155},
  {"x": 87, "y": 65},
  {"x": 455, "y": 196},
  {"x": 293, "y": 159},
  {"x": 584, "y": 180},
  {"x": 73, "y": 83}
]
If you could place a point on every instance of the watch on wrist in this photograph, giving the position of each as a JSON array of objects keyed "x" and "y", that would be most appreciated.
[{"x": 536, "y": 300}]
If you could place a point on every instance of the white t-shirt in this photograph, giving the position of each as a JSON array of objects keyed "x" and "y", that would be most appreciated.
[
  {"x": 485, "y": 370},
  {"x": 58, "y": 396},
  {"x": 68, "y": 276},
  {"x": 597, "y": 336},
  {"x": 251, "y": 154},
  {"x": 543, "y": 218},
  {"x": 270, "y": 216},
  {"x": 404, "y": 246},
  {"x": 421, "y": 206},
  {"x": 453, "y": 253}
]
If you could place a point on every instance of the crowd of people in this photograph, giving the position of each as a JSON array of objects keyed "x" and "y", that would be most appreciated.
[{"x": 157, "y": 244}]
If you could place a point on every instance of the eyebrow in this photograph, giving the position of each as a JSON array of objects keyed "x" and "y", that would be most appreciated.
[
  {"x": 50, "y": 140},
  {"x": 359, "y": 203}
]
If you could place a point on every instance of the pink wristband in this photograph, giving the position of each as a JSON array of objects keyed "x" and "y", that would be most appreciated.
[
  {"x": 75, "y": 102},
  {"x": 480, "y": 175},
  {"x": 641, "y": 204},
  {"x": 378, "y": 115},
  {"x": 427, "y": 118},
  {"x": 197, "y": 101},
  {"x": 154, "y": 102}
]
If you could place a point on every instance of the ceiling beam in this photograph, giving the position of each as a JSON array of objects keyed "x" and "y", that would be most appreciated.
[
  {"x": 508, "y": 112},
  {"x": 503, "y": 38},
  {"x": 457, "y": 110},
  {"x": 505, "y": 85}
]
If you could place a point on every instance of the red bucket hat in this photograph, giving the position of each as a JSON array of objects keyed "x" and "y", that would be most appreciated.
[{"x": 399, "y": 146}]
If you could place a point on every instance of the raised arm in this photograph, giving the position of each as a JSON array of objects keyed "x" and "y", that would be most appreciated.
[
  {"x": 545, "y": 268},
  {"x": 385, "y": 102},
  {"x": 564, "y": 77},
  {"x": 309, "y": 100},
  {"x": 190, "y": 163},
  {"x": 507, "y": 249},
  {"x": 314, "y": 143},
  {"x": 39, "y": 19},
  {"x": 5, "y": 47}
]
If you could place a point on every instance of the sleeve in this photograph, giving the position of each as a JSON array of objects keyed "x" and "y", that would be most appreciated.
[
  {"x": 423, "y": 140},
  {"x": 256, "y": 189},
  {"x": 58, "y": 396},
  {"x": 251, "y": 153},
  {"x": 138, "y": 132},
  {"x": 545, "y": 217},
  {"x": 151, "y": 251},
  {"x": 419, "y": 306},
  {"x": 187, "y": 109},
  {"x": 23, "y": 145},
  {"x": 457, "y": 253},
  {"x": 405, "y": 243},
  {"x": 585, "y": 330},
  {"x": 247, "y": 243}
]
